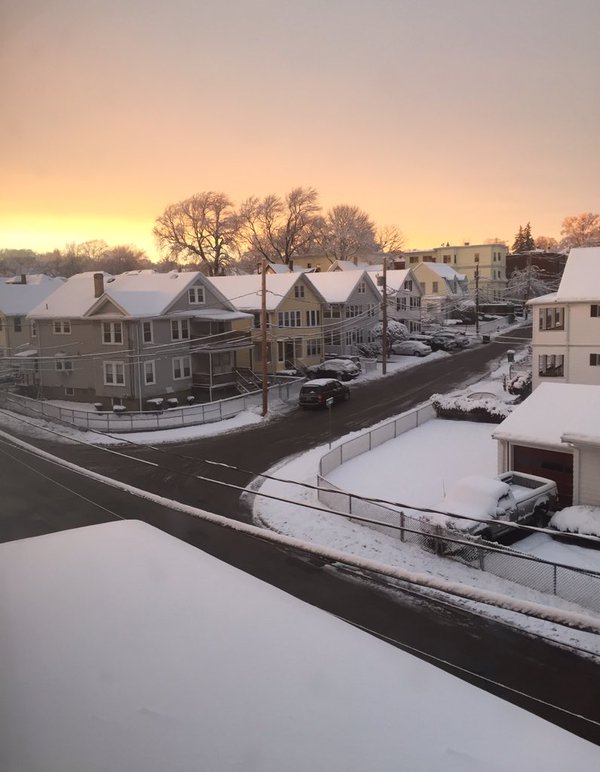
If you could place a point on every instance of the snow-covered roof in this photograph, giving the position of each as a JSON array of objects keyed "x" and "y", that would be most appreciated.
[
  {"x": 17, "y": 299},
  {"x": 121, "y": 649},
  {"x": 552, "y": 411},
  {"x": 445, "y": 271},
  {"x": 581, "y": 276},
  {"x": 350, "y": 265},
  {"x": 396, "y": 278},
  {"x": 142, "y": 293},
  {"x": 337, "y": 286},
  {"x": 244, "y": 291}
]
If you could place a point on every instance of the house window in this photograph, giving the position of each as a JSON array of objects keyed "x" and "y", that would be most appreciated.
[
  {"x": 435, "y": 287},
  {"x": 181, "y": 368},
  {"x": 149, "y": 373},
  {"x": 69, "y": 391},
  {"x": 64, "y": 364},
  {"x": 552, "y": 318},
  {"x": 352, "y": 311},
  {"x": 221, "y": 363},
  {"x": 18, "y": 322},
  {"x": 595, "y": 310},
  {"x": 196, "y": 295},
  {"x": 33, "y": 328},
  {"x": 362, "y": 288},
  {"x": 371, "y": 308},
  {"x": 551, "y": 366},
  {"x": 447, "y": 259},
  {"x": 332, "y": 338},
  {"x": 180, "y": 329},
  {"x": 594, "y": 360},
  {"x": 112, "y": 332},
  {"x": 332, "y": 312},
  {"x": 290, "y": 319},
  {"x": 313, "y": 318},
  {"x": 414, "y": 259},
  {"x": 408, "y": 285},
  {"x": 401, "y": 304},
  {"x": 298, "y": 291},
  {"x": 62, "y": 326},
  {"x": 313, "y": 347},
  {"x": 415, "y": 302},
  {"x": 114, "y": 373},
  {"x": 476, "y": 257},
  {"x": 256, "y": 322},
  {"x": 147, "y": 332}
]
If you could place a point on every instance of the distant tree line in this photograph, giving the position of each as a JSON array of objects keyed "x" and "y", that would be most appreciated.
[
  {"x": 95, "y": 255},
  {"x": 578, "y": 230},
  {"x": 208, "y": 232}
]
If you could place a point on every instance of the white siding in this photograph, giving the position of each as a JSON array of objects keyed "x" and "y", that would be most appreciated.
[{"x": 589, "y": 479}]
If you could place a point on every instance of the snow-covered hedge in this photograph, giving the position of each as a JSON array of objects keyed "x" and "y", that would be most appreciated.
[
  {"x": 519, "y": 385},
  {"x": 463, "y": 409},
  {"x": 582, "y": 518}
]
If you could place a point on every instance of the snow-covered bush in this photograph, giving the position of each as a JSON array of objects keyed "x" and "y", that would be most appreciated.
[
  {"x": 519, "y": 385},
  {"x": 463, "y": 409}
]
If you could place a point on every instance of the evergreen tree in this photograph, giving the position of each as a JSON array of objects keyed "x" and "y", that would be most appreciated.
[
  {"x": 518, "y": 242},
  {"x": 528, "y": 240}
]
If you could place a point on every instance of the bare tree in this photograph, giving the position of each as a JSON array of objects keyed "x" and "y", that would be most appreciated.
[
  {"x": 346, "y": 231},
  {"x": 201, "y": 230},
  {"x": 580, "y": 230},
  {"x": 390, "y": 239},
  {"x": 546, "y": 243},
  {"x": 123, "y": 257},
  {"x": 279, "y": 229},
  {"x": 530, "y": 282}
]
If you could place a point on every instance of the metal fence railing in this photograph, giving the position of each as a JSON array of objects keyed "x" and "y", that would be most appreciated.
[
  {"x": 169, "y": 418},
  {"x": 569, "y": 583}
]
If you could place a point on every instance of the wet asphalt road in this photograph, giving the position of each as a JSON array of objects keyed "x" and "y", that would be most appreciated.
[{"x": 33, "y": 504}]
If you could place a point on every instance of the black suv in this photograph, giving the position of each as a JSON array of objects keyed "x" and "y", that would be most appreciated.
[{"x": 315, "y": 393}]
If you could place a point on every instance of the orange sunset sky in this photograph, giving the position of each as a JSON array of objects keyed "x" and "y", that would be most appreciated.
[{"x": 457, "y": 120}]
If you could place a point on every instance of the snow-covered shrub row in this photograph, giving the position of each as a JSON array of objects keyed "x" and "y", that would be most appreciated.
[
  {"x": 520, "y": 385},
  {"x": 463, "y": 409}
]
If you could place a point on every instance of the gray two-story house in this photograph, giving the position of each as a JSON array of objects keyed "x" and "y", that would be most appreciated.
[{"x": 137, "y": 338}]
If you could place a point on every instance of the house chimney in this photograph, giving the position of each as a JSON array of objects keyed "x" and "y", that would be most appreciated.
[{"x": 98, "y": 284}]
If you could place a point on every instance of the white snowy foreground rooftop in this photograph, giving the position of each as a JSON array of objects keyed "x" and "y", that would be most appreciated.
[{"x": 123, "y": 648}]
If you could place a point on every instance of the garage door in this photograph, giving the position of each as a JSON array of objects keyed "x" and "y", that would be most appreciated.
[{"x": 547, "y": 463}]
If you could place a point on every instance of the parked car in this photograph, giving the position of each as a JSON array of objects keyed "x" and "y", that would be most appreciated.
[
  {"x": 411, "y": 348},
  {"x": 448, "y": 341},
  {"x": 509, "y": 498},
  {"x": 341, "y": 369},
  {"x": 316, "y": 393}
]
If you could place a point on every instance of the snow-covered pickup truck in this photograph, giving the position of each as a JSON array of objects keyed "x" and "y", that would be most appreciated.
[{"x": 512, "y": 497}]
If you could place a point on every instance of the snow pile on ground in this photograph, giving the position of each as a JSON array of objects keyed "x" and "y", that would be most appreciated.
[{"x": 579, "y": 519}]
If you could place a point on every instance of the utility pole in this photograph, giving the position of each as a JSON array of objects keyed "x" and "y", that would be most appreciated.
[
  {"x": 384, "y": 321},
  {"x": 263, "y": 330},
  {"x": 477, "y": 296}
]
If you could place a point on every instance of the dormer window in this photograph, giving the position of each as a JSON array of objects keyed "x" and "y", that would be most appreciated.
[{"x": 196, "y": 295}]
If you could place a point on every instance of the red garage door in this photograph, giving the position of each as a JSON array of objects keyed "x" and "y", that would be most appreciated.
[{"x": 547, "y": 463}]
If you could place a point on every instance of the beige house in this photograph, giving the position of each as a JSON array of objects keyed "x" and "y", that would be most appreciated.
[
  {"x": 488, "y": 260},
  {"x": 566, "y": 324},
  {"x": 443, "y": 289},
  {"x": 141, "y": 339},
  {"x": 294, "y": 309},
  {"x": 18, "y": 296}
]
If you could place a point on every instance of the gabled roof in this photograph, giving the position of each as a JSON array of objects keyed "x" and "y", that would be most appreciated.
[
  {"x": 337, "y": 286},
  {"x": 396, "y": 278},
  {"x": 444, "y": 270},
  {"x": 552, "y": 411},
  {"x": 17, "y": 299},
  {"x": 349, "y": 265},
  {"x": 245, "y": 291},
  {"x": 136, "y": 294},
  {"x": 581, "y": 277}
]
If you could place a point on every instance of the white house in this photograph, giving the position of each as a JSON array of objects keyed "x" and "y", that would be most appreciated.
[
  {"x": 351, "y": 310},
  {"x": 404, "y": 297},
  {"x": 18, "y": 296},
  {"x": 566, "y": 324},
  {"x": 555, "y": 433}
]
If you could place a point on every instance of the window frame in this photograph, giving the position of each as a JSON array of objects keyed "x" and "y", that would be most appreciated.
[
  {"x": 182, "y": 361},
  {"x": 551, "y": 365},
  {"x": 151, "y": 329},
  {"x": 194, "y": 293},
  {"x": 152, "y": 363},
  {"x": 111, "y": 328},
  {"x": 61, "y": 326},
  {"x": 182, "y": 326},
  {"x": 114, "y": 366}
]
